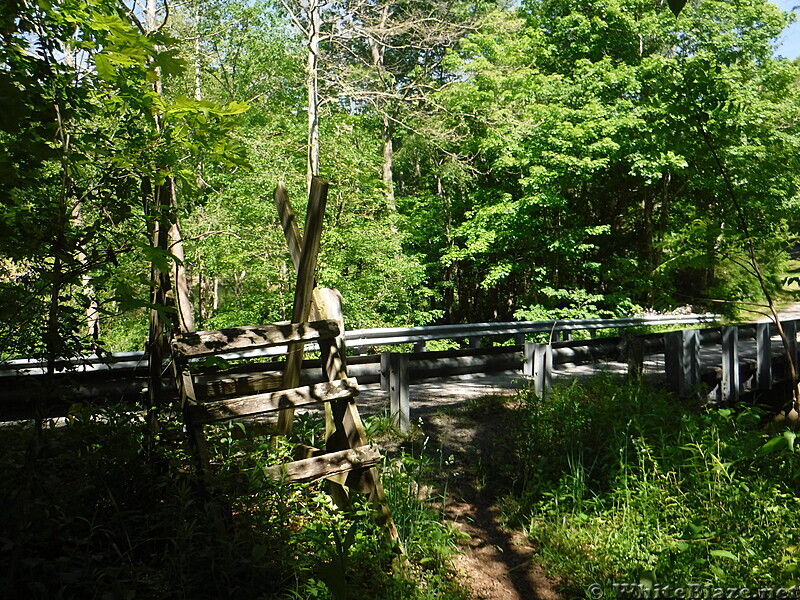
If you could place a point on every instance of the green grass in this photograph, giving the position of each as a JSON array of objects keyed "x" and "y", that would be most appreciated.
[
  {"x": 621, "y": 483},
  {"x": 90, "y": 512}
]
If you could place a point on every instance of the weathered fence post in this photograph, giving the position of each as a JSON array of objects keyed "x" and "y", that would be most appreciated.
[
  {"x": 730, "y": 364},
  {"x": 763, "y": 357},
  {"x": 398, "y": 391},
  {"x": 682, "y": 360}
]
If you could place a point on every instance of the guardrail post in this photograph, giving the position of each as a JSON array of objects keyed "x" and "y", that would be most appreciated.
[
  {"x": 385, "y": 374},
  {"x": 673, "y": 358},
  {"x": 566, "y": 335},
  {"x": 682, "y": 360},
  {"x": 474, "y": 342},
  {"x": 730, "y": 364},
  {"x": 528, "y": 357},
  {"x": 542, "y": 368},
  {"x": 398, "y": 391},
  {"x": 519, "y": 339},
  {"x": 763, "y": 357},
  {"x": 420, "y": 346},
  {"x": 633, "y": 353}
]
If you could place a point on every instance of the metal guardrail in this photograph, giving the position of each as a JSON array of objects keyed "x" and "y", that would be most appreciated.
[
  {"x": 375, "y": 337},
  {"x": 403, "y": 335}
]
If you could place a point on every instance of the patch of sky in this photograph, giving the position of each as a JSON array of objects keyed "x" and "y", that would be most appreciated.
[{"x": 789, "y": 42}]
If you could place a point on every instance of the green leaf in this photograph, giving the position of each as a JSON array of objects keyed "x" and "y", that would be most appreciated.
[
  {"x": 216, "y": 361},
  {"x": 161, "y": 259},
  {"x": 773, "y": 445},
  {"x": 790, "y": 438},
  {"x": 233, "y": 108},
  {"x": 724, "y": 554},
  {"x": 105, "y": 69}
]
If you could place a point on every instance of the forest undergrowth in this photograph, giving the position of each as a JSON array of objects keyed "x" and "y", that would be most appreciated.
[
  {"x": 92, "y": 513},
  {"x": 617, "y": 482}
]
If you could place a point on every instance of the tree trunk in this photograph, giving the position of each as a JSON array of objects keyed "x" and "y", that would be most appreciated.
[
  {"x": 388, "y": 162},
  {"x": 312, "y": 79},
  {"x": 183, "y": 302},
  {"x": 198, "y": 82},
  {"x": 92, "y": 310},
  {"x": 155, "y": 197},
  {"x": 377, "y": 51}
]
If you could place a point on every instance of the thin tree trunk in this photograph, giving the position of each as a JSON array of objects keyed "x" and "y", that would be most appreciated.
[
  {"x": 377, "y": 51},
  {"x": 155, "y": 198},
  {"x": 312, "y": 79},
  {"x": 198, "y": 81},
  {"x": 388, "y": 164},
  {"x": 181, "y": 285},
  {"x": 92, "y": 310},
  {"x": 215, "y": 306}
]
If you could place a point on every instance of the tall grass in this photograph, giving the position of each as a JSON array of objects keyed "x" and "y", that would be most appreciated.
[{"x": 619, "y": 483}]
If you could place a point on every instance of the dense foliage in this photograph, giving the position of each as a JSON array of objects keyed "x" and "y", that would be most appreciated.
[
  {"x": 487, "y": 160},
  {"x": 555, "y": 158}
]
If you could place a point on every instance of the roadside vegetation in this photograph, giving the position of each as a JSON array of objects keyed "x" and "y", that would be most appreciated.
[
  {"x": 90, "y": 512},
  {"x": 617, "y": 482},
  {"x": 610, "y": 480}
]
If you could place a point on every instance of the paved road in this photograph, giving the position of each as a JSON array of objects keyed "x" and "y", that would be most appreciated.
[{"x": 433, "y": 395}]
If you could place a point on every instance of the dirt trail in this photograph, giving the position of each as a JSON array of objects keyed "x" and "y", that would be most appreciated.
[{"x": 495, "y": 563}]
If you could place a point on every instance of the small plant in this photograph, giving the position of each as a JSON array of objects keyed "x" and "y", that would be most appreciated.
[{"x": 416, "y": 505}]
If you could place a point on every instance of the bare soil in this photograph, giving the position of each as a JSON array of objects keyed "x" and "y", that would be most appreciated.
[{"x": 475, "y": 437}]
